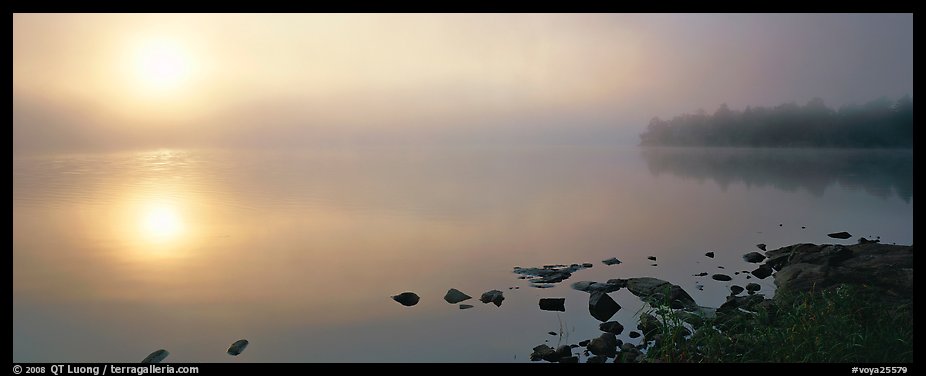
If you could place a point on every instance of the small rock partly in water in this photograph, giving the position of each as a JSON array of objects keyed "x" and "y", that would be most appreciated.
[
  {"x": 866, "y": 241},
  {"x": 753, "y": 257},
  {"x": 466, "y": 306},
  {"x": 653, "y": 265},
  {"x": 493, "y": 296},
  {"x": 544, "y": 352},
  {"x": 634, "y": 334},
  {"x": 652, "y": 258},
  {"x": 840, "y": 235},
  {"x": 753, "y": 287},
  {"x": 701, "y": 274},
  {"x": 455, "y": 296},
  {"x": 803, "y": 227},
  {"x": 542, "y": 285},
  {"x": 601, "y": 306},
  {"x": 736, "y": 289},
  {"x": 553, "y": 304},
  {"x": 611, "y": 327},
  {"x": 721, "y": 277},
  {"x": 407, "y": 299},
  {"x": 721, "y": 267},
  {"x": 237, "y": 347},
  {"x": 709, "y": 254},
  {"x": 156, "y": 357},
  {"x": 611, "y": 261},
  {"x": 587, "y": 265},
  {"x": 736, "y": 273},
  {"x": 762, "y": 272},
  {"x": 551, "y": 333},
  {"x": 761, "y": 246}
]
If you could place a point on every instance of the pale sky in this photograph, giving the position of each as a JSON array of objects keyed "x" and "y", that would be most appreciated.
[{"x": 91, "y": 82}]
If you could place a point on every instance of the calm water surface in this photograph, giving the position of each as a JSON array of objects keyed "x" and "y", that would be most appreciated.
[{"x": 117, "y": 255}]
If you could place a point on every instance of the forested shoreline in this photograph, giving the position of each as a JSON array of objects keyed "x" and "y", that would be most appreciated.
[{"x": 881, "y": 123}]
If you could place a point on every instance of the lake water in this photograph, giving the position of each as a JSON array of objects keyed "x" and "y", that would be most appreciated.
[{"x": 117, "y": 255}]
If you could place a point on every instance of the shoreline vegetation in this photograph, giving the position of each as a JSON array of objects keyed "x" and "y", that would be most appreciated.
[{"x": 881, "y": 123}]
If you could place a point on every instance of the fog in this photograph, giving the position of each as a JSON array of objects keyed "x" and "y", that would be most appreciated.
[{"x": 299, "y": 80}]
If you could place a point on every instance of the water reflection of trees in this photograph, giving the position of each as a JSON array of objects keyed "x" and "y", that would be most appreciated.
[{"x": 881, "y": 173}]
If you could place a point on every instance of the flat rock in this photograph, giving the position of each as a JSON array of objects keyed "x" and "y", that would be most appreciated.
[
  {"x": 493, "y": 296},
  {"x": 611, "y": 261},
  {"x": 455, "y": 296},
  {"x": 611, "y": 327},
  {"x": 601, "y": 306},
  {"x": 840, "y": 235},
  {"x": 466, "y": 306},
  {"x": 237, "y": 347},
  {"x": 156, "y": 357},
  {"x": 553, "y": 304},
  {"x": 587, "y": 265},
  {"x": 721, "y": 277},
  {"x": 657, "y": 292},
  {"x": 591, "y": 286},
  {"x": 407, "y": 299},
  {"x": 753, "y": 257}
]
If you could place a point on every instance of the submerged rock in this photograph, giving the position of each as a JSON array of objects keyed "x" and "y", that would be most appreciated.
[
  {"x": 721, "y": 277},
  {"x": 611, "y": 327},
  {"x": 761, "y": 246},
  {"x": 753, "y": 257},
  {"x": 493, "y": 296},
  {"x": 455, "y": 296},
  {"x": 466, "y": 306},
  {"x": 709, "y": 254},
  {"x": 601, "y": 306},
  {"x": 237, "y": 347},
  {"x": 840, "y": 235},
  {"x": 553, "y": 304},
  {"x": 407, "y": 299},
  {"x": 156, "y": 357},
  {"x": 611, "y": 261}
]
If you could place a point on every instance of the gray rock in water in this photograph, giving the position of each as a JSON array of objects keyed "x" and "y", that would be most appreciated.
[
  {"x": 653, "y": 258},
  {"x": 544, "y": 352},
  {"x": 709, "y": 254},
  {"x": 553, "y": 304},
  {"x": 753, "y": 257},
  {"x": 611, "y": 327},
  {"x": 654, "y": 290},
  {"x": 596, "y": 359},
  {"x": 237, "y": 347},
  {"x": 493, "y": 296},
  {"x": 840, "y": 235},
  {"x": 611, "y": 261},
  {"x": 736, "y": 289},
  {"x": 601, "y": 306},
  {"x": 466, "y": 306},
  {"x": 605, "y": 345},
  {"x": 633, "y": 334},
  {"x": 407, "y": 299},
  {"x": 762, "y": 272},
  {"x": 156, "y": 357},
  {"x": 455, "y": 296},
  {"x": 722, "y": 277},
  {"x": 753, "y": 287},
  {"x": 761, "y": 246}
]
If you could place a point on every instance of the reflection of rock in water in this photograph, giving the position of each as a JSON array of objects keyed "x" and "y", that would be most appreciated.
[{"x": 882, "y": 173}]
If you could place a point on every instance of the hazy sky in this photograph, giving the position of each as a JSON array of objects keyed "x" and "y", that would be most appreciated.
[{"x": 111, "y": 81}]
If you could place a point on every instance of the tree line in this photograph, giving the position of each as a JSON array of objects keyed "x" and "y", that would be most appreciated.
[{"x": 881, "y": 123}]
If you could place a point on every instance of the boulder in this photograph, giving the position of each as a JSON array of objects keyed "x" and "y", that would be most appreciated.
[
  {"x": 407, "y": 299},
  {"x": 493, "y": 296},
  {"x": 762, "y": 272},
  {"x": 611, "y": 261},
  {"x": 601, "y": 306},
  {"x": 753, "y": 257},
  {"x": 657, "y": 292},
  {"x": 605, "y": 345},
  {"x": 455, "y": 296},
  {"x": 736, "y": 289},
  {"x": 611, "y": 327}
]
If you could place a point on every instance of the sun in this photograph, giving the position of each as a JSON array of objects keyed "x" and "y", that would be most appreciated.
[
  {"x": 161, "y": 223},
  {"x": 162, "y": 65}
]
